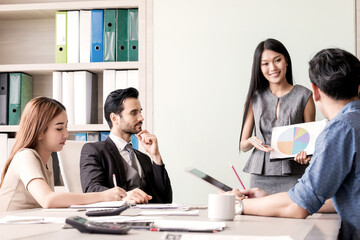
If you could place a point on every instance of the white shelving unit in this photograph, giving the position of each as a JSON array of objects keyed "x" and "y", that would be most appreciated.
[{"x": 27, "y": 44}]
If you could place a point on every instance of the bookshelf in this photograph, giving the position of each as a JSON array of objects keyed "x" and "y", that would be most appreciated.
[{"x": 27, "y": 44}]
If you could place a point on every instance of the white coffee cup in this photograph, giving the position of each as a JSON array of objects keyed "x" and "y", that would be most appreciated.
[{"x": 221, "y": 207}]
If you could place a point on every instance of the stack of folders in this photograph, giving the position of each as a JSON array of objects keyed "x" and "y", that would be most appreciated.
[
  {"x": 15, "y": 92},
  {"x": 77, "y": 91},
  {"x": 96, "y": 36}
]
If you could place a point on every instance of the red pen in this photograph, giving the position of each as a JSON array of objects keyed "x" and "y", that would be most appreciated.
[{"x": 237, "y": 176}]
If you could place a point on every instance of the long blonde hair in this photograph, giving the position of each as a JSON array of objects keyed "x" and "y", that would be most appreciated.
[{"x": 34, "y": 121}]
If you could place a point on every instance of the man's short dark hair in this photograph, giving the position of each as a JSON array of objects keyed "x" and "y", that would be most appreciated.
[
  {"x": 114, "y": 102},
  {"x": 335, "y": 72}
]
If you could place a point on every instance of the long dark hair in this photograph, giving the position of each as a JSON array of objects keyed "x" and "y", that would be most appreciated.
[{"x": 257, "y": 81}]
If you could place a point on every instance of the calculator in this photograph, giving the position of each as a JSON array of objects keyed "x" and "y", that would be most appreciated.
[
  {"x": 106, "y": 212},
  {"x": 86, "y": 226}
]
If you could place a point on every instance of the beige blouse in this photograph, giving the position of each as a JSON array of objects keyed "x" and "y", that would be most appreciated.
[{"x": 25, "y": 166}]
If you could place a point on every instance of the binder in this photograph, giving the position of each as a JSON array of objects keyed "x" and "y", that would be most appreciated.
[
  {"x": 85, "y": 36},
  {"x": 109, "y": 35},
  {"x": 104, "y": 135},
  {"x": 97, "y": 32},
  {"x": 60, "y": 39},
  {"x": 85, "y": 99},
  {"x": 73, "y": 34},
  {"x": 134, "y": 142},
  {"x": 68, "y": 94},
  {"x": 122, "y": 38},
  {"x": 121, "y": 81},
  {"x": 133, "y": 34},
  {"x": 109, "y": 85},
  {"x": 4, "y": 98},
  {"x": 20, "y": 93},
  {"x": 92, "y": 136},
  {"x": 133, "y": 79},
  {"x": 57, "y": 86},
  {"x": 80, "y": 137}
]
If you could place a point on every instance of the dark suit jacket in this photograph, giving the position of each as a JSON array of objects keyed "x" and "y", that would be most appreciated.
[{"x": 100, "y": 160}]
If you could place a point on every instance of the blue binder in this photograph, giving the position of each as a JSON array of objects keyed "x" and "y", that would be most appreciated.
[
  {"x": 97, "y": 36},
  {"x": 135, "y": 142}
]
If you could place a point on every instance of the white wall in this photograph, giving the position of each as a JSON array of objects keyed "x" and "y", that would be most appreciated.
[{"x": 202, "y": 61}]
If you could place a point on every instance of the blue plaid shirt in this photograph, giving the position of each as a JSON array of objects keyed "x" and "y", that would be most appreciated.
[{"x": 334, "y": 171}]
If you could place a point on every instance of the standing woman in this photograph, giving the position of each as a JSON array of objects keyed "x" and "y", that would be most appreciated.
[
  {"x": 27, "y": 180},
  {"x": 273, "y": 101}
]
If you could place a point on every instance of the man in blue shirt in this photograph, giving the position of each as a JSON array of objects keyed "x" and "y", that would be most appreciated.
[{"x": 334, "y": 172}]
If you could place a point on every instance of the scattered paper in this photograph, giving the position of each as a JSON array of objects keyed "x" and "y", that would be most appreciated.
[
  {"x": 161, "y": 206},
  {"x": 179, "y": 236},
  {"x": 111, "y": 204},
  {"x": 170, "y": 213},
  {"x": 30, "y": 220},
  {"x": 189, "y": 225}
]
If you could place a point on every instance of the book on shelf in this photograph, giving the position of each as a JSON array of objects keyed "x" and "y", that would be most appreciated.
[
  {"x": 4, "y": 98},
  {"x": 77, "y": 91},
  {"x": 99, "y": 35},
  {"x": 85, "y": 99},
  {"x": 85, "y": 36},
  {"x": 60, "y": 37},
  {"x": 87, "y": 136},
  {"x": 20, "y": 93},
  {"x": 104, "y": 135},
  {"x": 109, "y": 34},
  {"x": 73, "y": 34},
  {"x": 68, "y": 95},
  {"x": 133, "y": 31}
]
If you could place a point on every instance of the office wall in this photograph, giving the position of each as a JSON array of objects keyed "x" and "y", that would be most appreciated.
[{"x": 202, "y": 60}]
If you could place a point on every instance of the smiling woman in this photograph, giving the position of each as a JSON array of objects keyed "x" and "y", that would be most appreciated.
[
  {"x": 273, "y": 101},
  {"x": 27, "y": 177}
]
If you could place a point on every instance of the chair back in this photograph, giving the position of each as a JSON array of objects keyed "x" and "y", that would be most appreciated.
[{"x": 69, "y": 162}]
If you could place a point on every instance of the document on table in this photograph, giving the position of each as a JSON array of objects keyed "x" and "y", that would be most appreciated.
[
  {"x": 170, "y": 213},
  {"x": 30, "y": 220},
  {"x": 110, "y": 204},
  {"x": 188, "y": 226},
  {"x": 174, "y": 236},
  {"x": 123, "y": 219},
  {"x": 161, "y": 206}
]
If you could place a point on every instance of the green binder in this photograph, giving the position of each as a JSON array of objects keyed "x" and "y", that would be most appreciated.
[
  {"x": 122, "y": 39},
  {"x": 60, "y": 37},
  {"x": 133, "y": 34},
  {"x": 20, "y": 93},
  {"x": 110, "y": 22}
]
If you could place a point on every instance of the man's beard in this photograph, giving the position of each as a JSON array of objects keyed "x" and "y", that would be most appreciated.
[{"x": 134, "y": 130}]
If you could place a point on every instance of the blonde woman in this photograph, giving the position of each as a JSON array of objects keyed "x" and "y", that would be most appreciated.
[{"x": 27, "y": 180}]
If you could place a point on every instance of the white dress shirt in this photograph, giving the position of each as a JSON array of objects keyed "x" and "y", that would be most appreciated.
[{"x": 120, "y": 144}]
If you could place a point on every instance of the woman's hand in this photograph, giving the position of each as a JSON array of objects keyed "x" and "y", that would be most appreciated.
[
  {"x": 259, "y": 145},
  {"x": 302, "y": 158},
  {"x": 114, "y": 194}
]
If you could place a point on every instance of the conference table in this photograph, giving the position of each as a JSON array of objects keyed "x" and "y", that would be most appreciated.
[{"x": 318, "y": 226}]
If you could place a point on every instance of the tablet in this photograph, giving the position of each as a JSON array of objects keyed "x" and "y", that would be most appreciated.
[{"x": 209, "y": 179}]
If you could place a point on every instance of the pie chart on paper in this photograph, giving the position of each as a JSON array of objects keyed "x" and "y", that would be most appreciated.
[{"x": 293, "y": 140}]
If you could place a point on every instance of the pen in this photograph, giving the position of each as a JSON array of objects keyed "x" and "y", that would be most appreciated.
[
  {"x": 260, "y": 145},
  {"x": 237, "y": 176},
  {"x": 114, "y": 180}
]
